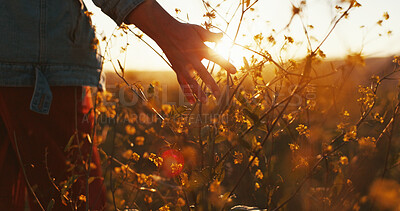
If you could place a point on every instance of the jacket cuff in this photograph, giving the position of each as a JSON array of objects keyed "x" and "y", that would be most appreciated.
[{"x": 118, "y": 10}]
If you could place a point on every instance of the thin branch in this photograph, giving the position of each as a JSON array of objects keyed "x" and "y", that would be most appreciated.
[
  {"x": 333, "y": 27},
  {"x": 24, "y": 172},
  {"x": 159, "y": 54},
  {"x": 389, "y": 145}
]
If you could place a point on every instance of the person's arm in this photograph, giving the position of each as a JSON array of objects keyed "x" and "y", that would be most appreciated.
[{"x": 183, "y": 44}]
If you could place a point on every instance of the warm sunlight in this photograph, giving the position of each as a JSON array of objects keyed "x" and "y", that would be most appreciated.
[
  {"x": 273, "y": 15},
  {"x": 175, "y": 105},
  {"x": 229, "y": 51}
]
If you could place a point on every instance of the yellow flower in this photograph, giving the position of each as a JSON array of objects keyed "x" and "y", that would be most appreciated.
[
  {"x": 256, "y": 162},
  {"x": 321, "y": 54},
  {"x": 396, "y": 60},
  {"x": 355, "y": 3},
  {"x": 344, "y": 160},
  {"x": 148, "y": 199},
  {"x": 238, "y": 158},
  {"x": 184, "y": 179},
  {"x": 386, "y": 15},
  {"x": 214, "y": 186},
  {"x": 294, "y": 147},
  {"x": 166, "y": 108},
  {"x": 156, "y": 160},
  {"x": 303, "y": 130},
  {"x": 150, "y": 131},
  {"x": 180, "y": 202},
  {"x": 82, "y": 198},
  {"x": 351, "y": 134},
  {"x": 117, "y": 169},
  {"x": 176, "y": 167},
  {"x": 142, "y": 178},
  {"x": 152, "y": 157},
  {"x": 271, "y": 39},
  {"x": 135, "y": 156},
  {"x": 288, "y": 117},
  {"x": 378, "y": 118},
  {"x": 124, "y": 168},
  {"x": 127, "y": 154},
  {"x": 259, "y": 174},
  {"x": 139, "y": 140},
  {"x": 149, "y": 181},
  {"x": 311, "y": 103},
  {"x": 328, "y": 148},
  {"x": 367, "y": 98},
  {"x": 130, "y": 130},
  {"x": 341, "y": 126},
  {"x": 164, "y": 208},
  {"x": 367, "y": 144}
]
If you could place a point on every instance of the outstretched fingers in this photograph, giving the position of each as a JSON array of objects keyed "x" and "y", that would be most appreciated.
[
  {"x": 210, "y": 54},
  {"x": 190, "y": 87},
  {"x": 213, "y": 56},
  {"x": 206, "y": 77},
  {"x": 185, "y": 87},
  {"x": 206, "y": 35},
  {"x": 189, "y": 57}
]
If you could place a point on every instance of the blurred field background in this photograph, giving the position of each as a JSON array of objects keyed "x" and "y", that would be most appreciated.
[
  {"x": 310, "y": 121},
  {"x": 348, "y": 180},
  {"x": 167, "y": 79}
]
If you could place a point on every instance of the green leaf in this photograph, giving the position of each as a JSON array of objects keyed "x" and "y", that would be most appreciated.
[
  {"x": 91, "y": 179},
  {"x": 71, "y": 140}
]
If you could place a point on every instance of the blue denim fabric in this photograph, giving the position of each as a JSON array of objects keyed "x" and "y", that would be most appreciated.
[
  {"x": 42, "y": 96},
  {"x": 46, "y": 43}
]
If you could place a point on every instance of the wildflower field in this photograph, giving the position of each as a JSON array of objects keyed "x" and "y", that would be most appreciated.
[{"x": 301, "y": 133}]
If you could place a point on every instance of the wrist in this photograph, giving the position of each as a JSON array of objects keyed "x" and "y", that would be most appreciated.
[{"x": 153, "y": 20}]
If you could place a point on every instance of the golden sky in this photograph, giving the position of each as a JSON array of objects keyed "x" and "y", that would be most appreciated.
[{"x": 270, "y": 17}]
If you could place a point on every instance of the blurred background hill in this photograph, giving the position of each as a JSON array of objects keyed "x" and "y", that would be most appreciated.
[{"x": 168, "y": 82}]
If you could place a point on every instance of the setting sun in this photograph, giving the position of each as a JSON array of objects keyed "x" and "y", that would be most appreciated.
[{"x": 226, "y": 48}]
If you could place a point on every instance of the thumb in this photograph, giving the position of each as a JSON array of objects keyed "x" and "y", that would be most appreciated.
[{"x": 206, "y": 35}]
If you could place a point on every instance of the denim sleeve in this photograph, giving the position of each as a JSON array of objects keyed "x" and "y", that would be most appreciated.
[{"x": 117, "y": 9}]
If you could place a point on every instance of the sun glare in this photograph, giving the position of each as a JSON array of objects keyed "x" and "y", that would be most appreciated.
[{"x": 233, "y": 53}]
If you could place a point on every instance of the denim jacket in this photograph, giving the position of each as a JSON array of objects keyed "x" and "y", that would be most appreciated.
[{"x": 47, "y": 43}]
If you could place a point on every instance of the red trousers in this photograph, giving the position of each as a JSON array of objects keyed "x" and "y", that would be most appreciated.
[{"x": 53, "y": 170}]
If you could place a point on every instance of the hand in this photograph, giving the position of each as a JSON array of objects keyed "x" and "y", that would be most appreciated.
[
  {"x": 185, "y": 50},
  {"x": 183, "y": 44}
]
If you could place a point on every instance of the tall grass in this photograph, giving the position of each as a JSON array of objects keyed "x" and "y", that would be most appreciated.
[{"x": 293, "y": 134}]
